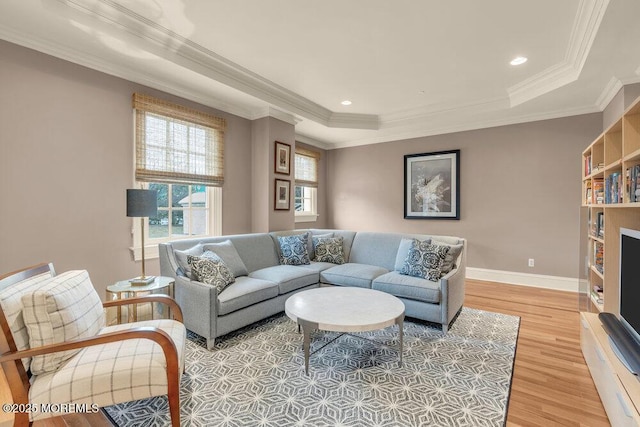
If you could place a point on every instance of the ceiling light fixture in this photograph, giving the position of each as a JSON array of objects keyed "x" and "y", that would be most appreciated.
[
  {"x": 346, "y": 102},
  {"x": 518, "y": 60}
]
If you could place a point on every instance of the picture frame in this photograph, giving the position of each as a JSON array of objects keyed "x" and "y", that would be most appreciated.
[
  {"x": 282, "y": 158},
  {"x": 432, "y": 185},
  {"x": 282, "y": 195}
]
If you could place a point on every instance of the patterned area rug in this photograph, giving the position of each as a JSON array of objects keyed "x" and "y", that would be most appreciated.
[{"x": 255, "y": 377}]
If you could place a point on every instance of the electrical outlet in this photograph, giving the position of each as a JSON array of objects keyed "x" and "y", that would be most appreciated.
[{"x": 531, "y": 262}]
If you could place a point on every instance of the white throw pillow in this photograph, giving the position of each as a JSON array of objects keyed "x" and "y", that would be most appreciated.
[{"x": 65, "y": 308}]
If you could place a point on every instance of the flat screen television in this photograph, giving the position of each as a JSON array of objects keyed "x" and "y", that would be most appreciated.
[
  {"x": 624, "y": 329},
  {"x": 630, "y": 281}
]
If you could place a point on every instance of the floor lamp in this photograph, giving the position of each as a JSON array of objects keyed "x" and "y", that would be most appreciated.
[{"x": 142, "y": 204}]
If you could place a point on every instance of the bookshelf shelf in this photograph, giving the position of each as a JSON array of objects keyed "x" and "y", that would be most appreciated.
[{"x": 599, "y": 306}]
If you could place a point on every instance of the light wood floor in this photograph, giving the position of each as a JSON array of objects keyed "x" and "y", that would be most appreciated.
[{"x": 551, "y": 383}]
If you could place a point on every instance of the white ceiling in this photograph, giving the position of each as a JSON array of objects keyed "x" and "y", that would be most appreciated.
[{"x": 410, "y": 67}]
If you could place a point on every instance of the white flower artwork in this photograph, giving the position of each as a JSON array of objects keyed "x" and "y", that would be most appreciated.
[{"x": 431, "y": 185}]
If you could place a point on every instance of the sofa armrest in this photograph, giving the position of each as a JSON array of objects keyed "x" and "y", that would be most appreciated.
[
  {"x": 199, "y": 303},
  {"x": 452, "y": 289}
]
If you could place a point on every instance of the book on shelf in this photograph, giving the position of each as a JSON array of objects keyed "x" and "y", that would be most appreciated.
[
  {"x": 599, "y": 225},
  {"x": 613, "y": 188},
  {"x": 587, "y": 165},
  {"x": 633, "y": 184},
  {"x": 587, "y": 194},
  {"x": 597, "y": 167},
  {"x": 598, "y": 256},
  {"x": 598, "y": 191}
]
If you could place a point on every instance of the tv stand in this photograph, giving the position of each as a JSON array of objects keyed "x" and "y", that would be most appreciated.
[
  {"x": 618, "y": 388},
  {"x": 624, "y": 346}
]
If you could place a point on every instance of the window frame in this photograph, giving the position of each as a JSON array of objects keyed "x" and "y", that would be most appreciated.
[
  {"x": 307, "y": 215},
  {"x": 151, "y": 251}
]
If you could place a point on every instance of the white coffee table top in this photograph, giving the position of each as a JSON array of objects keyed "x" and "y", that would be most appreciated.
[{"x": 345, "y": 309}]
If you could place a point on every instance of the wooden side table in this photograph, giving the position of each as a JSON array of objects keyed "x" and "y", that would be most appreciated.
[{"x": 124, "y": 289}]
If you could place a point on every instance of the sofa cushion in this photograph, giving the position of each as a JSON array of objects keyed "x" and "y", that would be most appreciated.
[
  {"x": 64, "y": 308},
  {"x": 318, "y": 266},
  {"x": 227, "y": 251},
  {"x": 409, "y": 287},
  {"x": 293, "y": 249},
  {"x": 288, "y": 277},
  {"x": 136, "y": 369},
  {"x": 352, "y": 274},
  {"x": 245, "y": 291},
  {"x": 211, "y": 270},
  {"x": 183, "y": 262},
  {"x": 403, "y": 252},
  {"x": 449, "y": 262},
  {"x": 328, "y": 249},
  {"x": 425, "y": 260}
]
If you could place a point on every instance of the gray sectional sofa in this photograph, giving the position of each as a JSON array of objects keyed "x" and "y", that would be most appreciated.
[{"x": 262, "y": 284}]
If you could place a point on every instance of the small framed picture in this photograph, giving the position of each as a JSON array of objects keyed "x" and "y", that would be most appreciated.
[
  {"x": 432, "y": 185},
  {"x": 282, "y": 191},
  {"x": 282, "y": 158}
]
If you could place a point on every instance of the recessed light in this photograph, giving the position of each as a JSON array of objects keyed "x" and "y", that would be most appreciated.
[
  {"x": 518, "y": 60},
  {"x": 346, "y": 102}
]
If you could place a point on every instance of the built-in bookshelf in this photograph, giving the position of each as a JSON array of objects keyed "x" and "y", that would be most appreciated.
[{"x": 611, "y": 194}]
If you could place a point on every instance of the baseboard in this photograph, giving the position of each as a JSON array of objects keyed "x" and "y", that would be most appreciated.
[{"x": 524, "y": 279}]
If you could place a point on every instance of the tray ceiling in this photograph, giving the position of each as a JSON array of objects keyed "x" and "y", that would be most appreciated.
[{"x": 410, "y": 68}]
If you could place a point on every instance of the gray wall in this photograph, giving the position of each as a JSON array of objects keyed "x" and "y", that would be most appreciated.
[
  {"x": 623, "y": 99},
  {"x": 66, "y": 158},
  {"x": 520, "y": 192}
]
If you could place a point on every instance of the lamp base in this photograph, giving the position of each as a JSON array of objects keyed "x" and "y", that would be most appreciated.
[{"x": 142, "y": 281}]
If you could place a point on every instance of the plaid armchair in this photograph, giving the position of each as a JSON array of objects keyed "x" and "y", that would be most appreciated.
[{"x": 56, "y": 349}]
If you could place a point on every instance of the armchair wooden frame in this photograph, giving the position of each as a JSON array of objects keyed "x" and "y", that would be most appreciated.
[{"x": 18, "y": 379}]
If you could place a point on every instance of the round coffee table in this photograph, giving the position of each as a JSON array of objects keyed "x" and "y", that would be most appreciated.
[{"x": 344, "y": 309}]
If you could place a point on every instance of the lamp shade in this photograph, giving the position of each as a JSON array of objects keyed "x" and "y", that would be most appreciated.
[{"x": 141, "y": 203}]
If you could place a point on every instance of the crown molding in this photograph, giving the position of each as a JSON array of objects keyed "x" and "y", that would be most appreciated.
[
  {"x": 584, "y": 30},
  {"x": 269, "y": 111},
  {"x": 426, "y": 128},
  {"x": 399, "y": 118},
  {"x": 312, "y": 141},
  {"x": 610, "y": 90}
]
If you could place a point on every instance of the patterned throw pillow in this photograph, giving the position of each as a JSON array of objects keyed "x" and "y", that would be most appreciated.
[
  {"x": 211, "y": 270},
  {"x": 328, "y": 249},
  {"x": 293, "y": 249},
  {"x": 425, "y": 260}
]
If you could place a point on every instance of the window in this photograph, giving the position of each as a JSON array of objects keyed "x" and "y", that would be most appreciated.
[
  {"x": 306, "y": 182},
  {"x": 183, "y": 211},
  {"x": 180, "y": 154}
]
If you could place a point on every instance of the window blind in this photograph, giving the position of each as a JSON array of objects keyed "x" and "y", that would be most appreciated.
[
  {"x": 176, "y": 144},
  {"x": 306, "y": 167}
]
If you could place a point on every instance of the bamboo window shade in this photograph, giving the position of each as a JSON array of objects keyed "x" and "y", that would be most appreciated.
[
  {"x": 306, "y": 167},
  {"x": 176, "y": 144}
]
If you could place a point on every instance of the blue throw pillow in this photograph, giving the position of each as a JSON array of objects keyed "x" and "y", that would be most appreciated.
[
  {"x": 293, "y": 249},
  {"x": 425, "y": 260}
]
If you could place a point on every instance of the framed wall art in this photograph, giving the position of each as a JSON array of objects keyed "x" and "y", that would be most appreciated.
[
  {"x": 282, "y": 192},
  {"x": 283, "y": 158},
  {"x": 432, "y": 185}
]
